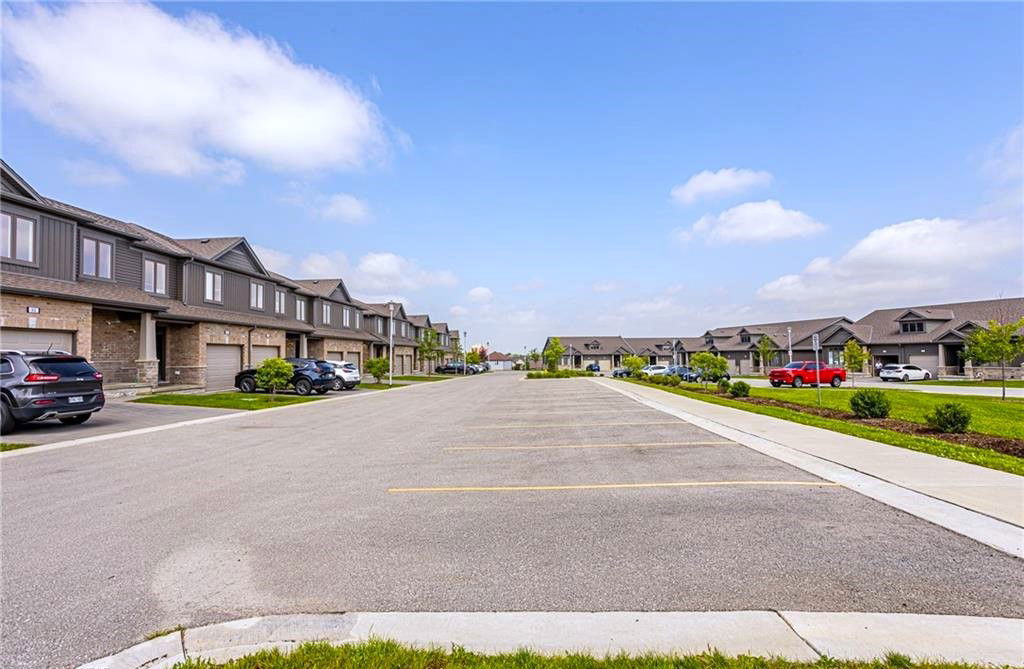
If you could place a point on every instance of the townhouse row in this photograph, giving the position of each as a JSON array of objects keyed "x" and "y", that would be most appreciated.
[
  {"x": 929, "y": 336},
  {"x": 150, "y": 309}
]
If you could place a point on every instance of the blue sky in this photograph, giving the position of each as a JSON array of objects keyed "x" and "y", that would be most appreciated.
[{"x": 510, "y": 168}]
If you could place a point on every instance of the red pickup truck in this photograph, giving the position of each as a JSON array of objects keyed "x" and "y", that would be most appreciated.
[{"x": 797, "y": 374}]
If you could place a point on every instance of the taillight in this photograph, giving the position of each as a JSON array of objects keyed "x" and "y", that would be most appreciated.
[
  {"x": 44, "y": 402},
  {"x": 42, "y": 378},
  {"x": 97, "y": 376}
]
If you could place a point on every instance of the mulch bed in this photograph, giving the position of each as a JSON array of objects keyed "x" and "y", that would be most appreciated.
[{"x": 1006, "y": 445}]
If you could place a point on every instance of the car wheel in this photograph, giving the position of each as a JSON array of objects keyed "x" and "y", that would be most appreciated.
[
  {"x": 927, "y": 375},
  {"x": 338, "y": 384},
  {"x": 7, "y": 422},
  {"x": 906, "y": 378},
  {"x": 76, "y": 420},
  {"x": 247, "y": 385},
  {"x": 836, "y": 381},
  {"x": 776, "y": 384},
  {"x": 797, "y": 382},
  {"x": 303, "y": 387}
]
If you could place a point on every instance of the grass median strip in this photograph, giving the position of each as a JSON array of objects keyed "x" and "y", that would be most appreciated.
[
  {"x": 12, "y": 446},
  {"x": 933, "y": 446},
  {"x": 675, "y": 444},
  {"x": 382, "y": 654},
  {"x": 995, "y": 385},
  {"x": 231, "y": 400},
  {"x": 614, "y": 486}
]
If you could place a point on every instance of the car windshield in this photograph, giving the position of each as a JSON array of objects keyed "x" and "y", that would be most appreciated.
[
  {"x": 795, "y": 365},
  {"x": 64, "y": 366}
]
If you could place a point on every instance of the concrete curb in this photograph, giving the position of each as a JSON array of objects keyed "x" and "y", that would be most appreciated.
[
  {"x": 998, "y": 534},
  {"x": 799, "y": 636},
  {"x": 57, "y": 445}
]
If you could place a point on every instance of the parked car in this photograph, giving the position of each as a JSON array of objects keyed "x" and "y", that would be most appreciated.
[
  {"x": 455, "y": 367},
  {"x": 620, "y": 372},
  {"x": 40, "y": 385},
  {"x": 903, "y": 373},
  {"x": 798, "y": 373},
  {"x": 593, "y": 367},
  {"x": 655, "y": 370},
  {"x": 685, "y": 373},
  {"x": 309, "y": 376},
  {"x": 346, "y": 375}
]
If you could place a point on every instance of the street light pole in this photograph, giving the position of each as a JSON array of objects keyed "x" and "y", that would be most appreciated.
[
  {"x": 391, "y": 342},
  {"x": 465, "y": 353},
  {"x": 789, "y": 338}
]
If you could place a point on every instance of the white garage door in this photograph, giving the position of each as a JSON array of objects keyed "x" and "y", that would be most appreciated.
[
  {"x": 335, "y": 356},
  {"x": 222, "y": 363},
  {"x": 261, "y": 353},
  {"x": 354, "y": 357},
  {"x": 23, "y": 339}
]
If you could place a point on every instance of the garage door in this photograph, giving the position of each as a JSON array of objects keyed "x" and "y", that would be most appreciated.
[
  {"x": 261, "y": 353},
  {"x": 334, "y": 356},
  {"x": 23, "y": 339},
  {"x": 354, "y": 357},
  {"x": 222, "y": 363}
]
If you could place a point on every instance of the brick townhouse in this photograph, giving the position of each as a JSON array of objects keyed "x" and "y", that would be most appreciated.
[
  {"x": 378, "y": 319},
  {"x": 147, "y": 308}
]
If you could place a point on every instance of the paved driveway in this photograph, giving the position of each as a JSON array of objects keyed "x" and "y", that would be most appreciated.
[{"x": 487, "y": 493}]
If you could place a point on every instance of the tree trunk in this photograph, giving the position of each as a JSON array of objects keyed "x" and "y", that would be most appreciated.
[{"x": 1002, "y": 368}]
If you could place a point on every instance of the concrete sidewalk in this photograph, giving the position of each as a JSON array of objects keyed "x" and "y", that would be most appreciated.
[
  {"x": 794, "y": 635},
  {"x": 997, "y": 495}
]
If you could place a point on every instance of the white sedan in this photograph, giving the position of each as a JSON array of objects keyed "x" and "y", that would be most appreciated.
[
  {"x": 655, "y": 370},
  {"x": 904, "y": 373}
]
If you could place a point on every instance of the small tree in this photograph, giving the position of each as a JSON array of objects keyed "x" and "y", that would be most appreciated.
[
  {"x": 711, "y": 367},
  {"x": 377, "y": 368},
  {"x": 275, "y": 374},
  {"x": 553, "y": 353},
  {"x": 634, "y": 364},
  {"x": 854, "y": 357},
  {"x": 429, "y": 349},
  {"x": 534, "y": 356},
  {"x": 765, "y": 351},
  {"x": 456, "y": 347},
  {"x": 473, "y": 357},
  {"x": 997, "y": 343}
]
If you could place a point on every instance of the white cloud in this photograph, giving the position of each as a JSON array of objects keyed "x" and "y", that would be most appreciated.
[
  {"x": 727, "y": 181},
  {"x": 184, "y": 96},
  {"x": 901, "y": 262},
  {"x": 604, "y": 286},
  {"x": 480, "y": 294},
  {"x": 91, "y": 173},
  {"x": 765, "y": 221},
  {"x": 458, "y": 310},
  {"x": 275, "y": 261},
  {"x": 345, "y": 208}
]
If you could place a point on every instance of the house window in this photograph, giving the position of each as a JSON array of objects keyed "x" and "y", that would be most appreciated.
[
  {"x": 17, "y": 238},
  {"x": 154, "y": 277},
  {"x": 359, "y": 320},
  {"x": 279, "y": 301},
  {"x": 97, "y": 258},
  {"x": 745, "y": 339},
  {"x": 345, "y": 317},
  {"x": 256, "y": 295},
  {"x": 403, "y": 330},
  {"x": 214, "y": 283},
  {"x": 916, "y": 326},
  {"x": 300, "y": 309},
  {"x": 327, "y": 313},
  {"x": 380, "y": 326}
]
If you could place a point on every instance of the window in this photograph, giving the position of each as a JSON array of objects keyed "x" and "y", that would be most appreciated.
[
  {"x": 327, "y": 313},
  {"x": 154, "y": 277},
  {"x": 345, "y": 317},
  {"x": 745, "y": 339},
  {"x": 300, "y": 309},
  {"x": 380, "y": 326},
  {"x": 97, "y": 258},
  {"x": 17, "y": 238},
  {"x": 279, "y": 301},
  {"x": 6, "y": 367},
  {"x": 214, "y": 283},
  {"x": 359, "y": 319},
  {"x": 403, "y": 330},
  {"x": 256, "y": 295},
  {"x": 916, "y": 326}
]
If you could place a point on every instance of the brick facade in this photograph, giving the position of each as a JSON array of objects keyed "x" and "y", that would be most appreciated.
[
  {"x": 53, "y": 314},
  {"x": 186, "y": 347},
  {"x": 319, "y": 348},
  {"x": 115, "y": 346}
]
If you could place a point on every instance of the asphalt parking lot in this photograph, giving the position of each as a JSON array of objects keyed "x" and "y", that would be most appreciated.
[{"x": 479, "y": 494}]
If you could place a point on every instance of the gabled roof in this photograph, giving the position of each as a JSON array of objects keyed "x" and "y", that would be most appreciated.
[
  {"x": 327, "y": 288},
  {"x": 927, "y": 314},
  {"x": 23, "y": 187},
  {"x": 441, "y": 327},
  {"x": 651, "y": 345},
  {"x": 886, "y": 329},
  {"x": 218, "y": 249},
  {"x": 420, "y": 320},
  {"x": 382, "y": 309},
  {"x": 585, "y": 345},
  {"x": 495, "y": 356}
]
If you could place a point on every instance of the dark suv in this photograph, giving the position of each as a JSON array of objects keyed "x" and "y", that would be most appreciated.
[
  {"x": 310, "y": 375},
  {"x": 454, "y": 368},
  {"x": 39, "y": 385}
]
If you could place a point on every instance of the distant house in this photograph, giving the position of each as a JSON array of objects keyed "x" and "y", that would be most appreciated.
[{"x": 499, "y": 361}]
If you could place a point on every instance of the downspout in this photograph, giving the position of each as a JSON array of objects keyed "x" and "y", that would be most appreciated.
[{"x": 248, "y": 345}]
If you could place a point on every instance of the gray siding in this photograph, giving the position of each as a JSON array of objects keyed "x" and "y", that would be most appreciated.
[
  {"x": 55, "y": 246},
  {"x": 239, "y": 259}
]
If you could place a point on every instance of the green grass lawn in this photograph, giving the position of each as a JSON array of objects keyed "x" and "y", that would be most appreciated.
[
  {"x": 12, "y": 446},
  {"x": 413, "y": 377},
  {"x": 975, "y": 456},
  {"x": 974, "y": 384},
  {"x": 244, "y": 401},
  {"x": 390, "y": 655}
]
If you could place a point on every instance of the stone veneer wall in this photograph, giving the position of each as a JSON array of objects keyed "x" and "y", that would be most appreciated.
[
  {"x": 115, "y": 345},
  {"x": 319, "y": 348},
  {"x": 53, "y": 314},
  {"x": 186, "y": 347}
]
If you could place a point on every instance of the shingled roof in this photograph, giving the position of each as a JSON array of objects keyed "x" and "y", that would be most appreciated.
[{"x": 882, "y": 326}]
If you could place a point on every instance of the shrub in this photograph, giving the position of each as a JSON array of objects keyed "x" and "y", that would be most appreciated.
[
  {"x": 949, "y": 417},
  {"x": 377, "y": 368},
  {"x": 274, "y": 374},
  {"x": 870, "y": 403},
  {"x": 740, "y": 389},
  {"x": 674, "y": 381},
  {"x": 723, "y": 385}
]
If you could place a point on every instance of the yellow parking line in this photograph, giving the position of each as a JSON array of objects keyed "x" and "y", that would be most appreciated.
[
  {"x": 535, "y": 426},
  {"x": 616, "y": 486},
  {"x": 555, "y": 447}
]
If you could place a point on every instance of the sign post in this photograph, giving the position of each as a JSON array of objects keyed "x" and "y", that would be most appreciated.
[{"x": 816, "y": 345}]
